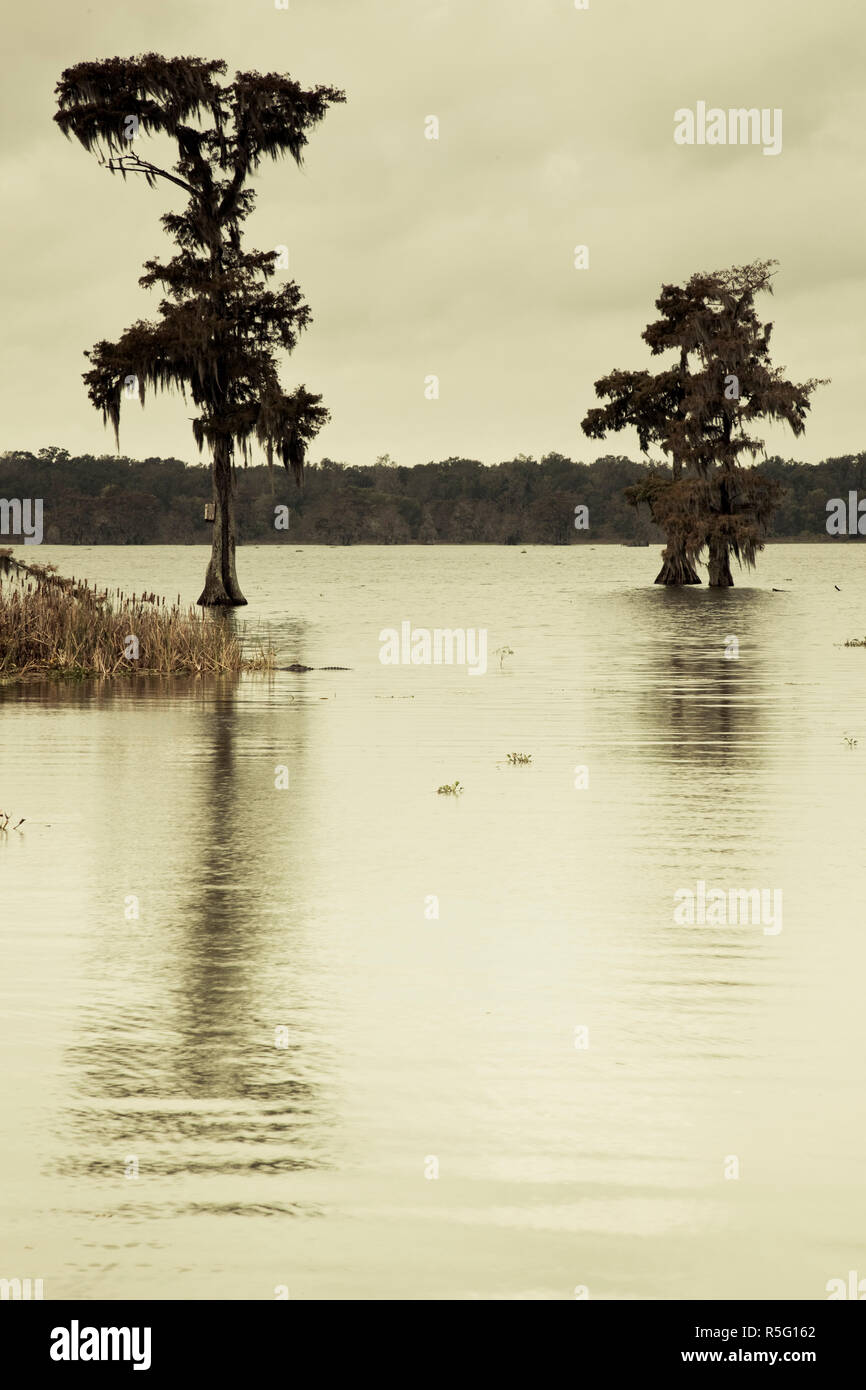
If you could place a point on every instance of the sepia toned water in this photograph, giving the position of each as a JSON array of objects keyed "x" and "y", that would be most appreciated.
[{"x": 614, "y": 1102}]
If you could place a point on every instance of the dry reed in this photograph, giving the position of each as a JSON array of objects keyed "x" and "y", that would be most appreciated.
[{"x": 52, "y": 625}]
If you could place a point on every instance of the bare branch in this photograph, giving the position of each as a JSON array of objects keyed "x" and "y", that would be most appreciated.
[{"x": 134, "y": 164}]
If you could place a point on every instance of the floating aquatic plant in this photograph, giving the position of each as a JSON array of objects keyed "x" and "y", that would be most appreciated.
[{"x": 449, "y": 789}]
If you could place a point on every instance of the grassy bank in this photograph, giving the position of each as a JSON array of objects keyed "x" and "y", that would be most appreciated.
[{"x": 55, "y": 626}]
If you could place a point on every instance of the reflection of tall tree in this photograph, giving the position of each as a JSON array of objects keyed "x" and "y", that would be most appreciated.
[
  {"x": 221, "y": 958},
  {"x": 243, "y": 953}
]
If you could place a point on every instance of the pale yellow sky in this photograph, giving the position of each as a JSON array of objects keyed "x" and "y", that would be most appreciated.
[{"x": 455, "y": 257}]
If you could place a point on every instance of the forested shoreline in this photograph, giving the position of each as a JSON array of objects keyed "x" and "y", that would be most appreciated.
[{"x": 114, "y": 500}]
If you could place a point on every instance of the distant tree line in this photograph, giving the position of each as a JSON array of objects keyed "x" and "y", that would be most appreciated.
[{"x": 113, "y": 500}]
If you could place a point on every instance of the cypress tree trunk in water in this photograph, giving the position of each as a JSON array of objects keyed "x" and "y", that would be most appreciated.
[
  {"x": 221, "y": 588},
  {"x": 719, "y": 563},
  {"x": 718, "y": 550},
  {"x": 676, "y": 568}
]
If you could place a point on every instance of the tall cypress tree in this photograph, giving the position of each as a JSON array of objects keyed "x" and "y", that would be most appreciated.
[{"x": 220, "y": 326}]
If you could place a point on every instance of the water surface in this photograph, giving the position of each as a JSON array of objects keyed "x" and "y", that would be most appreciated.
[{"x": 410, "y": 1038}]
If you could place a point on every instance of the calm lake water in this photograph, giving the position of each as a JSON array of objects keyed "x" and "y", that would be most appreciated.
[{"x": 414, "y": 1041}]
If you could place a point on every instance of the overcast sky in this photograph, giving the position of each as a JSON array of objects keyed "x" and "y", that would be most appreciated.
[{"x": 456, "y": 257}]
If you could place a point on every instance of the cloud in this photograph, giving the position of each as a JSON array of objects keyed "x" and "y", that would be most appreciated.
[{"x": 456, "y": 256}]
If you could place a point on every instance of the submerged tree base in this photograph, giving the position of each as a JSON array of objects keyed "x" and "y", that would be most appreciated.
[
  {"x": 719, "y": 564},
  {"x": 219, "y": 592},
  {"x": 221, "y": 587},
  {"x": 677, "y": 569},
  {"x": 55, "y": 626}
]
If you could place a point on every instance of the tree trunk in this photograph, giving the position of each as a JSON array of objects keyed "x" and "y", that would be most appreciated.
[
  {"x": 221, "y": 588},
  {"x": 718, "y": 550},
  {"x": 719, "y": 564},
  {"x": 676, "y": 568}
]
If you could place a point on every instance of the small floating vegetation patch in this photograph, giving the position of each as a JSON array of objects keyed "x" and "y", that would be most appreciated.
[
  {"x": 450, "y": 789},
  {"x": 55, "y": 626},
  {"x": 856, "y": 642},
  {"x": 519, "y": 759}
]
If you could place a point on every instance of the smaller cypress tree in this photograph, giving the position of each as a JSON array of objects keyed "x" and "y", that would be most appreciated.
[{"x": 698, "y": 412}]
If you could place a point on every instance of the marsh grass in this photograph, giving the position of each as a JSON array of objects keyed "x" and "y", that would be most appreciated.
[{"x": 50, "y": 625}]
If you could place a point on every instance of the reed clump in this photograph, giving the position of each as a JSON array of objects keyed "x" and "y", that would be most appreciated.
[{"x": 50, "y": 625}]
